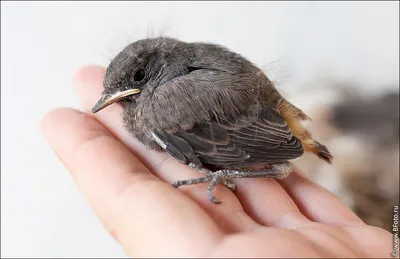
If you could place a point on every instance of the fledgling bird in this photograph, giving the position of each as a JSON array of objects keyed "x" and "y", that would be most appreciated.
[{"x": 209, "y": 108}]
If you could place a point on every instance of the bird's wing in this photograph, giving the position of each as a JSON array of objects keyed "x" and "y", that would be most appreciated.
[{"x": 238, "y": 143}]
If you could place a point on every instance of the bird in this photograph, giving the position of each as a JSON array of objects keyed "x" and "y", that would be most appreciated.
[{"x": 209, "y": 108}]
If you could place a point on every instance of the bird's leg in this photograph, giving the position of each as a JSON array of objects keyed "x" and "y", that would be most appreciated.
[
  {"x": 225, "y": 176},
  {"x": 227, "y": 182},
  {"x": 277, "y": 171},
  {"x": 208, "y": 176},
  {"x": 191, "y": 181},
  {"x": 201, "y": 169},
  {"x": 215, "y": 180},
  {"x": 213, "y": 177}
]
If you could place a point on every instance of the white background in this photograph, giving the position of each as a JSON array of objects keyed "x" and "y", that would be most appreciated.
[{"x": 43, "y": 43}]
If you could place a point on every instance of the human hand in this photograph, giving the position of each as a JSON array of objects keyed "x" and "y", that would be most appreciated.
[{"x": 129, "y": 188}]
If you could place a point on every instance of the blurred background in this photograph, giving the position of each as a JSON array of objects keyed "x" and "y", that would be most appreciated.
[{"x": 338, "y": 61}]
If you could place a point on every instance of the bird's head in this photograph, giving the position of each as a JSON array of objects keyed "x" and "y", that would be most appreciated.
[{"x": 142, "y": 66}]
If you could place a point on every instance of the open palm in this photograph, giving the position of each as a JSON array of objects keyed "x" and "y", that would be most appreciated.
[{"x": 129, "y": 189}]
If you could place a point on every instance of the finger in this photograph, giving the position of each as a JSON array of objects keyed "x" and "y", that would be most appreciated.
[
  {"x": 268, "y": 203},
  {"x": 318, "y": 204},
  {"x": 229, "y": 214},
  {"x": 147, "y": 216}
]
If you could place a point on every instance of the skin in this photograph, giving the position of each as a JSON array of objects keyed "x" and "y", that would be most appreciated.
[{"x": 129, "y": 189}]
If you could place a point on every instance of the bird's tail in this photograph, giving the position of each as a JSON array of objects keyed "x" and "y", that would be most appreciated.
[
  {"x": 294, "y": 116},
  {"x": 311, "y": 145}
]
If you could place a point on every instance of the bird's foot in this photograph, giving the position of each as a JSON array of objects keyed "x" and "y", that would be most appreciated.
[
  {"x": 225, "y": 176},
  {"x": 227, "y": 182},
  {"x": 221, "y": 176}
]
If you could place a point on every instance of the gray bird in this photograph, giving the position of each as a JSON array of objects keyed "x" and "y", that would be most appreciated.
[{"x": 209, "y": 108}]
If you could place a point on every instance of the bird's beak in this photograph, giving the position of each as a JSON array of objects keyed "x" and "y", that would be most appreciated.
[{"x": 106, "y": 100}]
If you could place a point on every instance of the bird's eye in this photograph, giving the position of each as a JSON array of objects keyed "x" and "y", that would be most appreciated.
[{"x": 139, "y": 75}]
